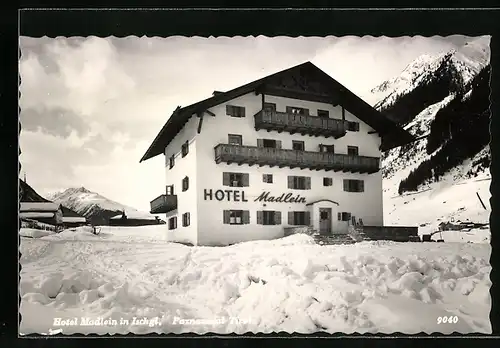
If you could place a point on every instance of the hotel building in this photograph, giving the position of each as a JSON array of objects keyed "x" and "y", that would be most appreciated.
[{"x": 295, "y": 148}]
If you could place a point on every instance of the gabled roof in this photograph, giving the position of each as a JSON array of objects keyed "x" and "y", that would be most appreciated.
[
  {"x": 28, "y": 194},
  {"x": 67, "y": 212},
  {"x": 392, "y": 134}
]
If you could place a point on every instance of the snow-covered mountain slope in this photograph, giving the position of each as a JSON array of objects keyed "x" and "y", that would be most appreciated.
[
  {"x": 98, "y": 209},
  {"x": 461, "y": 64},
  {"x": 443, "y": 100}
]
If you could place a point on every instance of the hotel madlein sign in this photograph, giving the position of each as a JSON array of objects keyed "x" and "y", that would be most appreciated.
[{"x": 239, "y": 196}]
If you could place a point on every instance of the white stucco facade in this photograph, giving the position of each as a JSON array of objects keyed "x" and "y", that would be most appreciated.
[{"x": 207, "y": 225}]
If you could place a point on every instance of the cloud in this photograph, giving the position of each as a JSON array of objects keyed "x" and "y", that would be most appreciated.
[{"x": 55, "y": 121}]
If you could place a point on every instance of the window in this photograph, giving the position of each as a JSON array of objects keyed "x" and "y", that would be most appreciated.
[
  {"x": 268, "y": 217},
  {"x": 344, "y": 216},
  {"x": 170, "y": 190},
  {"x": 235, "y": 179},
  {"x": 352, "y": 151},
  {"x": 298, "y": 218},
  {"x": 234, "y": 139},
  {"x": 268, "y": 178},
  {"x": 172, "y": 223},
  {"x": 186, "y": 219},
  {"x": 327, "y": 181},
  {"x": 353, "y": 126},
  {"x": 326, "y": 148},
  {"x": 354, "y": 185},
  {"x": 297, "y": 111},
  {"x": 236, "y": 217},
  {"x": 185, "y": 184},
  {"x": 298, "y": 145},
  {"x": 185, "y": 149},
  {"x": 299, "y": 182},
  {"x": 172, "y": 161},
  {"x": 269, "y": 143},
  {"x": 235, "y": 111},
  {"x": 269, "y": 106},
  {"x": 323, "y": 113}
]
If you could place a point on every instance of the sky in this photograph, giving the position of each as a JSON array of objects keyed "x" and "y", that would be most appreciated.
[{"x": 90, "y": 107}]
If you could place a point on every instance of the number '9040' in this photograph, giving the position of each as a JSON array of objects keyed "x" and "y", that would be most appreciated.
[{"x": 452, "y": 319}]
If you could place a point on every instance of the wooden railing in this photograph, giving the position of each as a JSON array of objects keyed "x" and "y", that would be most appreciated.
[
  {"x": 163, "y": 204},
  {"x": 304, "y": 124},
  {"x": 292, "y": 158}
]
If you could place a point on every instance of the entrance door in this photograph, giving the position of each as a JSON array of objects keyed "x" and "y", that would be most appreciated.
[{"x": 325, "y": 220}]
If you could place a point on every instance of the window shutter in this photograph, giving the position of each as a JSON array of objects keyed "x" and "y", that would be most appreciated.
[
  {"x": 264, "y": 177},
  {"x": 225, "y": 179},
  {"x": 361, "y": 186},
  {"x": 245, "y": 218},
  {"x": 242, "y": 112},
  {"x": 346, "y": 185},
  {"x": 175, "y": 222},
  {"x": 260, "y": 217},
  {"x": 278, "y": 144},
  {"x": 260, "y": 142},
  {"x": 277, "y": 218},
  {"x": 245, "y": 179},
  {"x": 290, "y": 182},
  {"x": 229, "y": 110},
  {"x": 307, "y": 217},
  {"x": 339, "y": 216},
  {"x": 290, "y": 217},
  {"x": 308, "y": 182},
  {"x": 227, "y": 215},
  {"x": 356, "y": 126}
]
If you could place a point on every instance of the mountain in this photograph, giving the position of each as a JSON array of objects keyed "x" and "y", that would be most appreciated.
[
  {"x": 96, "y": 208},
  {"x": 444, "y": 101}
]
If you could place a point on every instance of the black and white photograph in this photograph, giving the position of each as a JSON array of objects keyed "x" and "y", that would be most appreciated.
[{"x": 254, "y": 184}]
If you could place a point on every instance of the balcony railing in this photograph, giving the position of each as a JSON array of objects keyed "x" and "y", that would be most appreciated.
[
  {"x": 304, "y": 124},
  {"x": 295, "y": 159},
  {"x": 163, "y": 204}
]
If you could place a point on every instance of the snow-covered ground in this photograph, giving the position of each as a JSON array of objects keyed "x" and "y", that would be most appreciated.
[
  {"x": 291, "y": 284},
  {"x": 452, "y": 199}
]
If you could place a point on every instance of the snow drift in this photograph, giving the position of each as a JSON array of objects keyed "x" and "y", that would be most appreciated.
[{"x": 124, "y": 281}]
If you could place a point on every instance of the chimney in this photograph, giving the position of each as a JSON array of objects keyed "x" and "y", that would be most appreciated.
[{"x": 216, "y": 93}]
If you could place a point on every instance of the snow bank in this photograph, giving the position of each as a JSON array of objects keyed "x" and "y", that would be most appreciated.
[
  {"x": 125, "y": 234},
  {"x": 290, "y": 285},
  {"x": 34, "y": 233},
  {"x": 465, "y": 236}
]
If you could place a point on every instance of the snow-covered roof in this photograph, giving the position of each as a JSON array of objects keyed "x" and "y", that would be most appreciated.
[
  {"x": 36, "y": 214},
  {"x": 39, "y": 206},
  {"x": 74, "y": 219}
]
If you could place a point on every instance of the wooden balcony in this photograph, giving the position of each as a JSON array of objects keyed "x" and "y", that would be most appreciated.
[
  {"x": 163, "y": 204},
  {"x": 303, "y": 124},
  {"x": 262, "y": 156}
]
